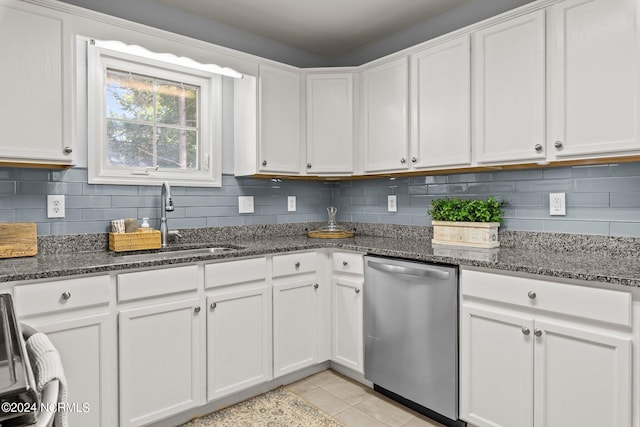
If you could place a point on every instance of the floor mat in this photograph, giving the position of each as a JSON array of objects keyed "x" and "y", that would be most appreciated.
[{"x": 277, "y": 408}]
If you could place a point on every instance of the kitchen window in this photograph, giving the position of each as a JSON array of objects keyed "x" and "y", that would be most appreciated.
[{"x": 152, "y": 117}]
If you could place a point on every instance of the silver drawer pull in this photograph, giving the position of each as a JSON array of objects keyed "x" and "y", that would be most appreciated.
[
  {"x": 532, "y": 295},
  {"x": 196, "y": 309},
  {"x": 357, "y": 290},
  {"x": 297, "y": 264},
  {"x": 526, "y": 330},
  {"x": 66, "y": 295},
  {"x": 316, "y": 286},
  {"x": 345, "y": 263},
  {"x": 213, "y": 306},
  {"x": 537, "y": 332}
]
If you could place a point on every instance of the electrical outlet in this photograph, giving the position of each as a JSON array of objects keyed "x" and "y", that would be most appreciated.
[
  {"x": 291, "y": 203},
  {"x": 557, "y": 205},
  {"x": 245, "y": 204},
  {"x": 55, "y": 206},
  {"x": 392, "y": 203}
]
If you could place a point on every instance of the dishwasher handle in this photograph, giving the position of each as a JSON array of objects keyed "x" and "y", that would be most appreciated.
[{"x": 418, "y": 272}]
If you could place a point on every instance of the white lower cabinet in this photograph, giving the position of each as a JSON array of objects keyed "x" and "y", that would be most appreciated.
[
  {"x": 347, "y": 348},
  {"x": 347, "y": 325},
  {"x": 238, "y": 326},
  {"x": 295, "y": 322},
  {"x": 75, "y": 315},
  {"x": 299, "y": 303},
  {"x": 528, "y": 358},
  {"x": 161, "y": 345}
]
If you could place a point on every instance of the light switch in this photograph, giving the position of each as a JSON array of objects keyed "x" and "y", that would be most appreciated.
[
  {"x": 392, "y": 203},
  {"x": 245, "y": 204}
]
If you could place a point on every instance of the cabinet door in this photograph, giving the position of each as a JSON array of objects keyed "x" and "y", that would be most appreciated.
[
  {"x": 238, "y": 340},
  {"x": 280, "y": 121},
  {"x": 87, "y": 347},
  {"x": 161, "y": 351},
  {"x": 509, "y": 90},
  {"x": 594, "y": 77},
  {"x": 329, "y": 123},
  {"x": 348, "y": 323},
  {"x": 441, "y": 109},
  {"x": 294, "y": 326},
  {"x": 385, "y": 121},
  {"x": 496, "y": 368},
  {"x": 35, "y": 109},
  {"x": 582, "y": 377}
]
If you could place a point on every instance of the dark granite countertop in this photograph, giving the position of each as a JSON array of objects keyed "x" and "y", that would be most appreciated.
[{"x": 600, "y": 266}]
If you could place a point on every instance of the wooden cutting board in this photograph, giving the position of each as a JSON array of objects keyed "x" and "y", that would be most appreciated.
[{"x": 18, "y": 239}]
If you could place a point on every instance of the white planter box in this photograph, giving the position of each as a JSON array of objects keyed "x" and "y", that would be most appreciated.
[{"x": 471, "y": 234}]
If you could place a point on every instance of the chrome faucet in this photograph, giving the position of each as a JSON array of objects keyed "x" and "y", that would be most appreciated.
[{"x": 166, "y": 205}]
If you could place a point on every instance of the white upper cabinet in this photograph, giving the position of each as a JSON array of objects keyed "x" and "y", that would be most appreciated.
[
  {"x": 35, "y": 108},
  {"x": 279, "y": 120},
  {"x": 441, "y": 107},
  {"x": 385, "y": 120},
  {"x": 593, "y": 78},
  {"x": 330, "y": 123},
  {"x": 509, "y": 90}
]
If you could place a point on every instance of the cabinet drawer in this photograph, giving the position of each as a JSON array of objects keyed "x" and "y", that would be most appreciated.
[
  {"x": 574, "y": 300},
  {"x": 145, "y": 284},
  {"x": 46, "y": 297},
  {"x": 232, "y": 272},
  {"x": 346, "y": 262},
  {"x": 285, "y": 265}
]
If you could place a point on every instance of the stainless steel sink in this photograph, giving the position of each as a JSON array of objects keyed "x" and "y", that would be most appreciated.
[{"x": 172, "y": 253}]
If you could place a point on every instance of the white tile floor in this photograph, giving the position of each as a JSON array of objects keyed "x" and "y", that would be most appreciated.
[{"x": 354, "y": 404}]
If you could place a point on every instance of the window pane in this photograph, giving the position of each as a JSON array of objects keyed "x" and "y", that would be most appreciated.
[
  {"x": 129, "y": 96},
  {"x": 129, "y": 144},
  {"x": 177, "y": 104},
  {"x": 177, "y": 149}
]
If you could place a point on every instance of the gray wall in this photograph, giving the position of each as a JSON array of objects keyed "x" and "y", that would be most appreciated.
[
  {"x": 171, "y": 19},
  {"x": 89, "y": 208},
  {"x": 601, "y": 200},
  {"x": 462, "y": 16}
]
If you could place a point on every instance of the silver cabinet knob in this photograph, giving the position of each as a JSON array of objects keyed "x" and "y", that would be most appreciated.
[
  {"x": 66, "y": 295},
  {"x": 414, "y": 159},
  {"x": 67, "y": 150},
  {"x": 526, "y": 330},
  {"x": 316, "y": 286},
  {"x": 357, "y": 290},
  {"x": 196, "y": 309},
  {"x": 538, "y": 148},
  {"x": 213, "y": 306},
  {"x": 264, "y": 163},
  {"x": 558, "y": 145},
  {"x": 308, "y": 165},
  {"x": 537, "y": 332},
  {"x": 403, "y": 160},
  {"x": 297, "y": 264},
  {"x": 345, "y": 263},
  {"x": 532, "y": 295}
]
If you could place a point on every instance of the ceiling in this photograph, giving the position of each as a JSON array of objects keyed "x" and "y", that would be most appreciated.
[{"x": 330, "y": 28}]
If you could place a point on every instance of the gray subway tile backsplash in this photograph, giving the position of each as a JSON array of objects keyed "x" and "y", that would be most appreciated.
[{"x": 602, "y": 199}]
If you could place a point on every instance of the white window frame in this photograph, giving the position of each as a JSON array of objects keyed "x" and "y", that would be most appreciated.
[{"x": 134, "y": 59}]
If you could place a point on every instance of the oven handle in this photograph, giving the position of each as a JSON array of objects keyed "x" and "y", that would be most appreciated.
[{"x": 418, "y": 272}]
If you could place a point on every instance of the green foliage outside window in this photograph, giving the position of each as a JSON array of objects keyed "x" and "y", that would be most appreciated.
[{"x": 151, "y": 122}]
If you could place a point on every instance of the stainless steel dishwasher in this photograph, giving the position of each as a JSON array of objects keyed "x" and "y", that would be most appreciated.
[{"x": 411, "y": 334}]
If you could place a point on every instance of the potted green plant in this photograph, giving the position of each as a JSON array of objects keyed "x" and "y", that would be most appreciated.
[{"x": 466, "y": 222}]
